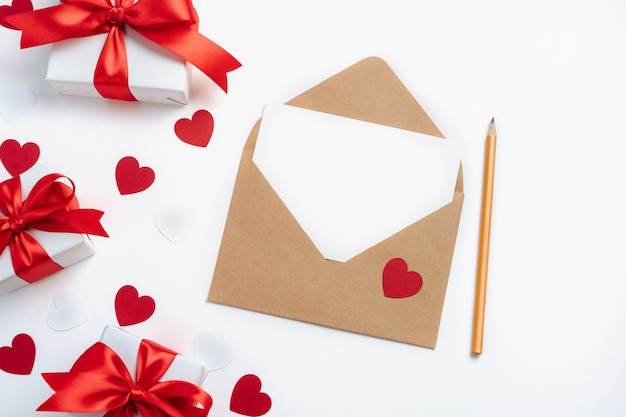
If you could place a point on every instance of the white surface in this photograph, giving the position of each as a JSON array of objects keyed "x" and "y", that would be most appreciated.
[
  {"x": 351, "y": 184},
  {"x": 552, "y": 74}
]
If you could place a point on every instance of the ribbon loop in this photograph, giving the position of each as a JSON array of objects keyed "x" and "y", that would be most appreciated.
[
  {"x": 51, "y": 206},
  {"x": 171, "y": 24}
]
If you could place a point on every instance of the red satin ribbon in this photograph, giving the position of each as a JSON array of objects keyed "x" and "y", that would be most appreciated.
[
  {"x": 172, "y": 24},
  {"x": 99, "y": 381},
  {"x": 52, "y": 207}
]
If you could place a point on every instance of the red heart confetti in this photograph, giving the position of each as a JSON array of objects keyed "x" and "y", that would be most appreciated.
[
  {"x": 130, "y": 308},
  {"x": 131, "y": 178},
  {"x": 247, "y": 398},
  {"x": 398, "y": 281},
  {"x": 17, "y": 6},
  {"x": 196, "y": 131},
  {"x": 18, "y": 358},
  {"x": 17, "y": 158}
]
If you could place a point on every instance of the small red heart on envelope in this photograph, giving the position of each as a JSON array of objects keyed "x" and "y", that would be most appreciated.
[
  {"x": 17, "y": 158},
  {"x": 247, "y": 398},
  {"x": 131, "y": 178},
  {"x": 196, "y": 131},
  {"x": 398, "y": 281},
  {"x": 18, "y": 358},
  {"x": 130, "y": 308},
  {"x": 17, "y": 6}
]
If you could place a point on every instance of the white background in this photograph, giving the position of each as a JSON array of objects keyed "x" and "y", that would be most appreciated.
[{"x": 552, "y": 73}]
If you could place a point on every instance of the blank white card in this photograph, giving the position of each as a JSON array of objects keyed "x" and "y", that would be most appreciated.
[{"x": 351, "y": 184}]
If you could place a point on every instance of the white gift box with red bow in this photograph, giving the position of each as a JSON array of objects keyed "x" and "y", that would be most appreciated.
[{"x": 64, "y": 248}]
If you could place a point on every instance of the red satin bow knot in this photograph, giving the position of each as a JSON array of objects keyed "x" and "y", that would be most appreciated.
[
  {"x": 171, "y": 24},
  {"x": 51, "y": 206},
  {"x": 137, "y": 394},
  {"x": 17, "y": 224},
  {"x": 116, "y": 15},
  {"x": 99, "y": 381}
]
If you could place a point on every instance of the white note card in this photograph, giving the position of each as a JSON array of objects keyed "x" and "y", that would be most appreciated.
[{"x": 351, "y": 184}]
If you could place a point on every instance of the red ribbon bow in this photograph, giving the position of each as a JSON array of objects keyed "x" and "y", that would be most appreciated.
[
  {"x": 172, "y": 24},
  {"x": 99, "y": 381},
  {"x": 52, "y": 207}
]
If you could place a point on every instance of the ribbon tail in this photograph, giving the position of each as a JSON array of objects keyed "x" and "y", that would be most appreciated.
[
  {"x": 150, "y": 410},
  {"x": 30, "y": 260},
  {"x": 180, "y": 398},
  {"x": 83, "y": 392},
  {"x": 206, "y": 55},
  {"x": 111, "y": 74},
  {"x": 98, "y": 381},
  {"x": 53, "y": 403},
  {"x": 126, "y": 410},
  {"x": 72, "y": 221}
]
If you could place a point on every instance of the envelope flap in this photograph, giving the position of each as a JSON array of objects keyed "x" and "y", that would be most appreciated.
[{"x": 370, "y": 91}]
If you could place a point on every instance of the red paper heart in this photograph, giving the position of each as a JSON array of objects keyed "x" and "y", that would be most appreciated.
[
  {"x": 18, "y": 358},
  {"x": 17, "y": 6},
  {"x": 247, "y": 398},
  {"x": 196, "y": 131},
  {"x": 398, "y": 281},
  {"x": 131, "y": 178},
  {"x": 17, "y": 158},
  {"x": 132, "y": 309}
]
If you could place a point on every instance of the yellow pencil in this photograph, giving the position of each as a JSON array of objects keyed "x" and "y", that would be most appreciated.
[{"x": 483, "y": 244}]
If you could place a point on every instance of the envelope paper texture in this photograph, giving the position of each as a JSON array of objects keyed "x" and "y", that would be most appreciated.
[{"x": 393, "y": 290}]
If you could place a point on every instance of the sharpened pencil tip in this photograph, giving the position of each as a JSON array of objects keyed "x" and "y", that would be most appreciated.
[{"x": 492, "y": 127}]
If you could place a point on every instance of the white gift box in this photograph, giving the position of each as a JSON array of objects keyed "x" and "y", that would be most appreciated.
[
  {"x": 64, "y": 248},
  {"x": 155, "y": 74},
  {"x": 126, "y": 346}
]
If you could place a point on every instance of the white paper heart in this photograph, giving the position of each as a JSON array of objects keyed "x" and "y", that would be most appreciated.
[
  {"x": 210, "y": 353},
  {"x": 174, "y": 223},
  {"x": 69, "y": 312},
  {"x": 15, "y": 100}
]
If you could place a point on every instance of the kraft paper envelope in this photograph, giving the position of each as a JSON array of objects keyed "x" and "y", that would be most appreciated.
[{"x": 393, "y": 290}]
